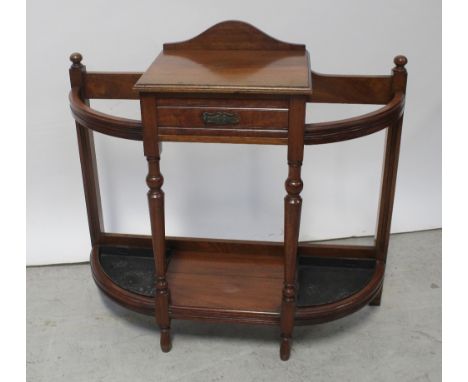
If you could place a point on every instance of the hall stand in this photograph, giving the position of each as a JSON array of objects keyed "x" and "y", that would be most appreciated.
[{"x": 235, "y": 84}]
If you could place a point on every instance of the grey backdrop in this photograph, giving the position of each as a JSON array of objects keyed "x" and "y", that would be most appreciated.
[{"x": 228, "y": 191}]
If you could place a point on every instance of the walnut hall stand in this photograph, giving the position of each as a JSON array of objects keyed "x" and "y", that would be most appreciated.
[{"x": 235, "y": 84}]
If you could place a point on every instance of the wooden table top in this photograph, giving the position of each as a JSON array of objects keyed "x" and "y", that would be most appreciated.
[
  {"x": 227, "y": 71},
  {"x": 231, "y": 57}
]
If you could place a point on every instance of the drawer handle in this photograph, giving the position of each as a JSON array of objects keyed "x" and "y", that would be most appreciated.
[{"x": 220, "y": 118}]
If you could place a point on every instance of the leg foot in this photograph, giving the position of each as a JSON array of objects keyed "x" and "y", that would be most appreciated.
[
  {"x": 285, "y": 348},
  {"x": 166, "y": 343},
  {"x": 376, "y": 300}
]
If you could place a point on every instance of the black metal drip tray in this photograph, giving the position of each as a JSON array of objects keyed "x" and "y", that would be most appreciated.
[
  {"x": 323, "y": 281},
  {"x": 133, "y": 273}
]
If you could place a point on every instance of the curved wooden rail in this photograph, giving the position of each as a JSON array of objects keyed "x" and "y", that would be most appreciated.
[
  {"x": 103, "y": 123},
  {"x": 315, "y": 133},
  {"x": 360, "y": 126}
]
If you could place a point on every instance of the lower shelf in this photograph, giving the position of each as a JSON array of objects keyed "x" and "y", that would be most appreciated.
[
  {"x": 247, "y": 284},
  {"x": 242, "y": 283}
]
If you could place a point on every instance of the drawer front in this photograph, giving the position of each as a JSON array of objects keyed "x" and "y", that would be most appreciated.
[{"x": 226, "y": 114}]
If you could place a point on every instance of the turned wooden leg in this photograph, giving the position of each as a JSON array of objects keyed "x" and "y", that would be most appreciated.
[
  {"x": 162, "y": 314},
  {"x": 293, "y": 203},
  {"x": 155, "y": 181},
  {"x": 292, "y": 217},
  {"x": 287, "y": 321}
]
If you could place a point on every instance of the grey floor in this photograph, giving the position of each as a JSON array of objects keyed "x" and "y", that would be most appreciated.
[{"x": 74, "y": 333}]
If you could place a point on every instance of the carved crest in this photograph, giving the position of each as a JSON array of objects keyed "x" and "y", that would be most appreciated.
[{"x": 233, "y": 35}]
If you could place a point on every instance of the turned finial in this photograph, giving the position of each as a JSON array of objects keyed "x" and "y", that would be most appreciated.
[
  {"x": 76, "y": 58},
  {"x": 399, "y": 73},
  {"x": 400, "y": 61}
]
